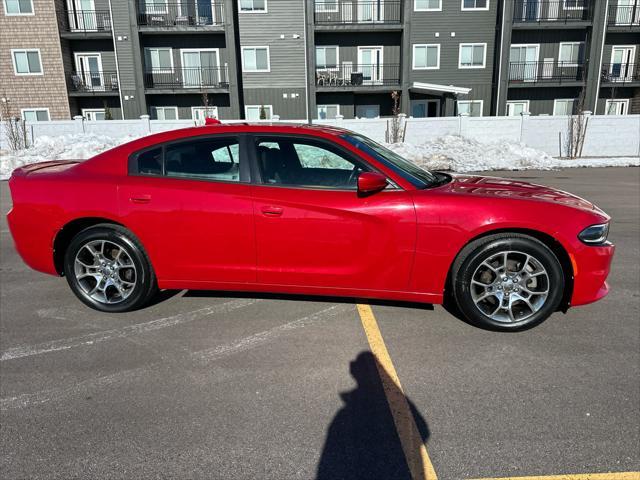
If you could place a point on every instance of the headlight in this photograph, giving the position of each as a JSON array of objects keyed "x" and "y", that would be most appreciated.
[{"x": 595, "y": 234}]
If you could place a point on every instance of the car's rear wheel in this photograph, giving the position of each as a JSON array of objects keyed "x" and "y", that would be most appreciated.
[
  {"x": 507, "y": 282},
  {"x": 108, "y": 269}
]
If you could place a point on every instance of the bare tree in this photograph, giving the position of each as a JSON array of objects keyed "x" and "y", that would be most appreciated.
[
  {"x": 396, "y": 127},
  {"x": 206, "y": 103},
  {"x": 577, "y": 128},
  {"x": 13, "y": 126}
]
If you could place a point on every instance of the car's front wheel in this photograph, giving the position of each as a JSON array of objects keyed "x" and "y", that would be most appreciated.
[
  {"x": 507, "y": 282},
  {"x": 108, "y": 269}
]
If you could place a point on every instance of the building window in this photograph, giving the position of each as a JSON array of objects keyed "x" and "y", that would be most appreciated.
[
  {"x": 427, "y": 5},
  {"x": 93, "y": 114},
  {"x": 327, "y": 57},
  {"x": 574, "y": 4},
  {"x": 253, "y": 6},
  {"x": 473, "y": 108},
  {"x": 27, "y": 62},
  {"x": 367, "y": 111},
  {"x": 160, "y": 59},
  {"x": 258, "y": 112},
  {"x": 199, "y": 114},
  {"x": 255, "y": 59},
  {"x": 328, "y": 112},
  {"x": 616, "y": 107},
  {"x": 475, "y": 4},
  {"x": 323, "y": 6},
  {"x": 472, "y": 55},
  {"x": 517, "y": 108},
  {"x": 35, "y": 114},
  {"x": 18, "y": 7},
  {"x": 164, "y": 113},
  {"x": 426, "y": 57},
  {"x": 563, "y": 106},
  {"x": 570, "y": 54}
]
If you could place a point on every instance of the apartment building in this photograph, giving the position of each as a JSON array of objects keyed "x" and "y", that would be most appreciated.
[{"x": 187, "y": 59}]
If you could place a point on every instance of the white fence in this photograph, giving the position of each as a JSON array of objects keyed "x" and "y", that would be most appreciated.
[{"x": 606, "y": 135}]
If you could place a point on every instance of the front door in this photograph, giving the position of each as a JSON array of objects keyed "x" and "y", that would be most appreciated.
[
  {"x": 425, "y": 108},
  {"x": 89, "y": 71},
  {"x": 82, "y": 15},
  {"x": 200, "y": 68},
  {"x": 523, "y": 62},
  {"x": 530, "y": 10},
  {"x": 195, "y": 215},
  {"x": 205, "y": 12},
  {"x": 621, "y": 68},
  {"x": 370, "y": 63},
  {"x": 312, "y": 228},
  {"x": 371, "y": 11}
]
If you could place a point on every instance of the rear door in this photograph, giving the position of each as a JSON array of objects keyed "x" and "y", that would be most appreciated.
[
  {"x": 312, "y": 227},
  {"x": 189, "y": 202}
]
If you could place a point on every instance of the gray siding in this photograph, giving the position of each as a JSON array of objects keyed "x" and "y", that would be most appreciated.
[
  {"x": 287, "y": 55},
  {"x": 288, "y": 108},
  {"x": 541, "y": 98},
  {"x": 185, "y": 102}
]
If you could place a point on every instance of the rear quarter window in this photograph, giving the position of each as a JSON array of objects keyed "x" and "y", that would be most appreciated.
[{"x": 148, "y": 162}]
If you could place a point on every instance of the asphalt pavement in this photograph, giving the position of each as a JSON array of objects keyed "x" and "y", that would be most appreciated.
[{"x": 218, "y": 386}]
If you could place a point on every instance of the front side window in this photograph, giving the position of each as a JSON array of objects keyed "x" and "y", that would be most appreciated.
[
  {"x": 253, "y": 6},
  {"x": 255, "y": 59},
  {"x": 18, "y": 7},
  {"x": 426, "y": 5},
  {"x": 327, "y": 57},
  {"x": 426, "y": 57},
  {"x": 160, "y": 59},
  {"x": 475, "y": 4},
  {"x": 35, "y": 114},
  {"x": 473, "y": 108},
  {"x": 570, "y": 54},
  {"x": 472, "y": 55},
  {"x": 306, "y": 163},
  {"x": 204, "y": 159},
  {"x": 27, "y": 62},
  {"x": 328, "y": 112},
  {"x": 258, "y": 112}
]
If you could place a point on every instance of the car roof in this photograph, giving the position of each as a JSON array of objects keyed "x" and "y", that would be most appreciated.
[{"x": 261, "y": 127}]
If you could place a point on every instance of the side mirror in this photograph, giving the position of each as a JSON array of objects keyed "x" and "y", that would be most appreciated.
[{"x": 371, "y": 182}]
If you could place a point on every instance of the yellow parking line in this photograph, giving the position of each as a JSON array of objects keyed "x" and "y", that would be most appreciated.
[
  {"x": 414, "y": 449},
  {"x": 577, "y": 476}
]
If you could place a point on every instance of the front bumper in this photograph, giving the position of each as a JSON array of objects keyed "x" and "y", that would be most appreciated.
[{"x": 591, "y": 266}]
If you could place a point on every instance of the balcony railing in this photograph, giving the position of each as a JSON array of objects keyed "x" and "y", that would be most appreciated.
[
  {"x": 546, "y": 72},
  {"x": 620, "y": 72},
  {"x": 358, "y": 75},
  {"x": 197, "y": 13},
  {"x": 187, "y": 78},
  {"x": 624, "y": 15},
  {"x": 93, "y": 82},
  {"x": 87, "y": 21},
  {"x": 559, "y": 11},
  {"x": 350, "y": 12}
]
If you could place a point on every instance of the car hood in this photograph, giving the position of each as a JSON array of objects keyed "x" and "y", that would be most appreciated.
[{"x": 515, "y": 189}]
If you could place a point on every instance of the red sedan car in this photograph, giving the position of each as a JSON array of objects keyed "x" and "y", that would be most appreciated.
[{"x": 305, "y": 210}]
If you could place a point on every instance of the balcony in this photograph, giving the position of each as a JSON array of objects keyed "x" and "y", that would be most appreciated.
[
  {"x": 358, "y": 76},
  {"x": 93, "y": 83},
  {"x": 546, "y": 73},
  {"x": 87, "y": 22},
  {"x": 358, "y": 12},
  {"x": 551, "y": 12},
  {"x": 186, "y": 15},
  {"x": 624, "y": 16},
  {"x": 187, "y": 80},
  {"x": 620, "y": 73}
]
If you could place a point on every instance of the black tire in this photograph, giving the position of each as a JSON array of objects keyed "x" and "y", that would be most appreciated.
[
  {"x": 145, "y": 285},
  {"x": 472, "y": 257}
]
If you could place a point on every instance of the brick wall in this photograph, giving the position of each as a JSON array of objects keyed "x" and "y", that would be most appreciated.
[{"x": 34, "y": 31}]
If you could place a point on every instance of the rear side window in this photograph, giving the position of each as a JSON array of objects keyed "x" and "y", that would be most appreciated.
[
  {"x": 150, "y": 162},
  {"x": 210, "y": 159}
]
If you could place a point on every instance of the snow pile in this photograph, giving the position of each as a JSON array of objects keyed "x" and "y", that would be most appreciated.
[
  {"x": 450, "y": 152},
  {"x": 64, "y": 147}
]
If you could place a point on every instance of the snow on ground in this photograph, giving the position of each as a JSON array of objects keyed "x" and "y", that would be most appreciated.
[{"x": 450, "y": 152}]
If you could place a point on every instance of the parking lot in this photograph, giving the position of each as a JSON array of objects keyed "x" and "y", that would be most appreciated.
[{"x": 211, "y": 385}]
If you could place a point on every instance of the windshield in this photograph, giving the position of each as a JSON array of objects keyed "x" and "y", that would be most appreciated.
[{"x": 409, "y": 171}]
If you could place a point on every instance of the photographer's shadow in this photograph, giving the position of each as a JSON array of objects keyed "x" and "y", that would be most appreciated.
[{"x": 363, "y": 440}]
